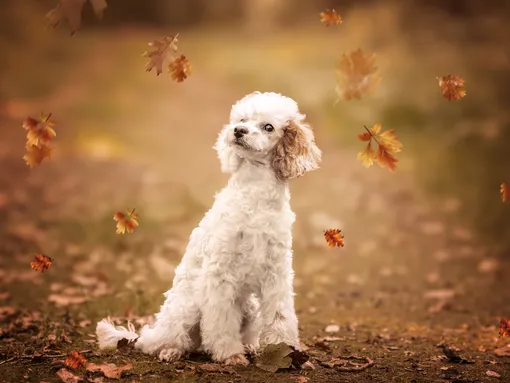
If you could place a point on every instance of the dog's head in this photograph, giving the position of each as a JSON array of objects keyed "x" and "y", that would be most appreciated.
[{"x": 267, "y": 128}]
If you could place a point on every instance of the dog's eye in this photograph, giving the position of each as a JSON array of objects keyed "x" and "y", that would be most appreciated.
[
  {"x": 242, "y": 120},
  {"x": 268, "y": 128}
]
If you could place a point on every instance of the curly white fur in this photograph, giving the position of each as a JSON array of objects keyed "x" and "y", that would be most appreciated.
[{"x": 232, "y": 291}]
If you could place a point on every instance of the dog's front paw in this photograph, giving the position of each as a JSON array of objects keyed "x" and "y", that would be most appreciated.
[
  {"x": 170, "y": 355},
  {"x": 251, "y": 349},
  {"x": 237, "y": 360}
]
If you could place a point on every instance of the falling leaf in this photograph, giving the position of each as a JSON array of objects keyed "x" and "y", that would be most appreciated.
[
  {"x": 36, "y": 154},
  {"x": 180, "y": 68},
  {"x": 109, "y": 370},
  {"x": 67, "y": 377},
  {"x": 504, "y": 327},
  {"x": 387, "y": 142},
  {"x": 452, "y": 87},
  {"x": 334, "y": 237},
  {"x": 330, "y": 17},
  {"x": 492, "y": 374},
  {"x": 75, "y": 360},
  {"x": 356, "y": 75},
  {"x": 71, "y": 10},
  {"x": 40, "y": 132},
  {"x": 505, "y": 192},
  {"x": 163, "y": 50},
  {"x": 126, "y": 222},
  {"x": 41, "y": 263},
  {"x": 274, "y": 357}
]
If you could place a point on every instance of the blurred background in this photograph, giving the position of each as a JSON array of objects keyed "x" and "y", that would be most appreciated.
[{"x": 128, "y": 138}]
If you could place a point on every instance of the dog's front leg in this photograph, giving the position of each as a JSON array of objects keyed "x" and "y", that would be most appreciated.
[
  {"x": 221, "y": 318},
  {"x": 279, "y": 320}
]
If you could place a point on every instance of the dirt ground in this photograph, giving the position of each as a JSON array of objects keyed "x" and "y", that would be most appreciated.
[{"x": 412, "y": 275}]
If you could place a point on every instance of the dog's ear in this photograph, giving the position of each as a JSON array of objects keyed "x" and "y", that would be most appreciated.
[
  {"x": 229, "y": 160},
  {"x": 296, "y": 152}
]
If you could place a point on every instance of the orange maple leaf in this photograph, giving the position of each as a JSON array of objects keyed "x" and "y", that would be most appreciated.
[
  {"x": 180, "y": 68},
  {"x": 504, "y": 327},
  {"x": 452, "y": 87},
  {"x": 36, "y": 154},
  {"x": 75, "y": 360},
  {"x": 71, "y": 10},
  {"x": 162, "y": 52},
  {"x": 505, "y": 192},
  {"x": 41, "y": 263},
  {"x": 330, "y": 17},
  {"x": 40, "y": 132},
  {"x": 356, "y": 75},
  {"x": 126, "y": 222},
  {"x": 387, "y": 141},
  {"x": 334, "y": 237}
]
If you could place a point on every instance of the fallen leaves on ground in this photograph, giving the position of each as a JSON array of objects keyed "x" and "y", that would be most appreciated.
[
  {"x": 503, "y": 351},
  {"x": 505, "y": 192},
  {"x": 388, "y": 145},
  {"x": 212, "y": 367},
  {"x": 41, "y": 263},
  {"x": 280, "y": 356},
  {"x": 40, "y": 133},
  {"x": 109, "y": 370},
  {"x": 75, "y": 360},
  {"x": 334, "y": 237},
  {"x": 504, "y": 327},
  {"x": 349, "y": 364},
  {"x": 126, "y": 222},
  {"x": 492, "y": 374},
  {"x": 68, "y": 377},
  {"x": 180, "y": 68},
  {"x": 164, "y": 53},
  {"x": 440, "y": 294},
  {"x": 71, "y": 10},
  {"x": 332, "y": 328},
  {"x": 452, "y": 87},
  {"x": 330, "y": 17},
  {"x": 356, "y": 75},
  {"x": 451, "y": 353}
]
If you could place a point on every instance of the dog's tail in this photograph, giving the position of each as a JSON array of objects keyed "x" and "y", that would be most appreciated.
[{"x": 108, "y": 334}]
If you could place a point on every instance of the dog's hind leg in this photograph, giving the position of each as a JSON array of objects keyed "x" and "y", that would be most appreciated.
[{"x": 170, "y": 336}]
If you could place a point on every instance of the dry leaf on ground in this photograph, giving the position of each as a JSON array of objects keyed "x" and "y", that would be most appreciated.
[
  {"x": 388, "y": 145},
  {"x": 356, "y": 75},
  {"x": 68, "y": 377},
  {"x": 332, "y": 328},
  {"x": 109, "y": 370},
  {"x": 71, "y": 10},
  {"x": 349, "y": 364},
  {"x": 503, "y": 351},
  {"x": 126, "y": 222},
  {"x": 75, "y": 360},
  {"x": 492, "y": 374},
  {"x": 180, "y": 68},
  {"x": 504, "y": 327},
  {"x": 41, "y": 263},
  {"x": 275, "y": 357},
  {"x": 440, "y": 294},
  {"x": 330, "y": 17},
  {"x": 452, "y": 87},
  {"x": 334, "y": 237}
]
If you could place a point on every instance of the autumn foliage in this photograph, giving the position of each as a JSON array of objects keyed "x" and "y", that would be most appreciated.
[
  {"x": 334, "y": 237},
  {"x": 164, "y": 53},
  {"x": 126, "y": 222},
  {"x": 41, "y": 263},
  {"x": 356, "y": 75},
  {"x": 40, "y": 133},
  {"x": 387, "y": 143},
  {"x": 75, "y": 360},
  {"x": 452, "y": 87},
  {"x": 330, "y": 17},
  {"x": 504, "y": 327}
]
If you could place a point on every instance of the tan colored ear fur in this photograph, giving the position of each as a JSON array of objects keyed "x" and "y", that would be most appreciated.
[{"x": 296, "y": 153}]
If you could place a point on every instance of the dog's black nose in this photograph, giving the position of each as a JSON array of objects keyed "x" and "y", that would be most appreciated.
[{"x": 239, "y": 131}]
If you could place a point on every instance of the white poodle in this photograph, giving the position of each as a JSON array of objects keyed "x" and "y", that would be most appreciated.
[{"x": 232, "y": 291}]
